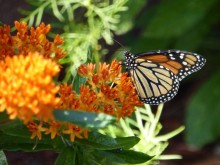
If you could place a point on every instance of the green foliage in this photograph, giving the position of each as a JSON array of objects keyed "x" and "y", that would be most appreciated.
[
  {"x": 82, "y": 23},
  {"x": 102, "y": 142},
  {"x": 178, "y": 23},
  {"x": 202, "y": 121},
  {"x": 67, "y": 157},
  {"x": 122, "y": 157},
  {"x": 3, "y": 160},
  {"x": 15, "y": 136},
  {"x": 128, "y": 18},
  {"x": 108, "y": 157},
  {"x": 146, "y": 126},
  {"x": 140, "y": 135},
  {"x": 182, "y": 24}
]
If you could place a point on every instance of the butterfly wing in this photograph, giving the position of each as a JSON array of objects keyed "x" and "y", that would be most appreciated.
[
  {"x": 156, "y": 74},
  {"x": 154, "y": 83},
  {"x": 181, "y": 63}
]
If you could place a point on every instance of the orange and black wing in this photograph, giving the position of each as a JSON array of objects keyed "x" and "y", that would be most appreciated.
[
  {"x": 156, "y": 74},
  {"x": 154, "y": 83},
  {"x": 181, "y": 63}
]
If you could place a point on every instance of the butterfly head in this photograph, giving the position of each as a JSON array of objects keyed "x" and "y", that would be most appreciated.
[
  {"x": 126, "y": 53},
  {"x": 129, "y": 56},
  {"x": 130, "y": 60}
]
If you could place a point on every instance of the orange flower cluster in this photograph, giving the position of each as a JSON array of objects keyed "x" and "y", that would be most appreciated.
[
  {"x": 56, "y": 128},
  {"x": 27, "y": 87},
  {"x": 108, "y": 91},
  {"x": 28, "y": 63},
  {"x": 26, "y": 41}
]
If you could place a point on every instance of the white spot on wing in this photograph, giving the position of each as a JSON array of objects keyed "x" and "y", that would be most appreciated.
[{"x": 184, "y": 63}]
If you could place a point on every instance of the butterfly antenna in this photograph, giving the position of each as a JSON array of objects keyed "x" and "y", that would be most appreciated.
[
  {"x": 123, "y": 63},
  {"x": 119, "y": 43}
]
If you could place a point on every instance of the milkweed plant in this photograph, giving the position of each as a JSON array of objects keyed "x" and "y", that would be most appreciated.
[{"x": 93, "y": 114}]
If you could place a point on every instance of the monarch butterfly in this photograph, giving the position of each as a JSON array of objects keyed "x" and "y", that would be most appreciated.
[{"x": 156, "y": 74}]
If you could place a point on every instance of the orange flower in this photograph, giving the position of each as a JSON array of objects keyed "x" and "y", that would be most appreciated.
[
  {"x": 57, "y": 40},
  {"x": 109, "y": 109},
  {"x": 95, "y": 79},
  {"x": 68, "y": 98},
  {"x": 53, "y": 129},
  {"x": 28, "y": 92},
  {"x": 107, "y": 90},
  {"x": 26, "y": 41},
  {"x": 36, "y": 129},
  {"x": 115, "y": 70},
  {"x": 5, "y": 42},
  {"x": 87, "y": 96},
  {"x": 5, "y": 35},
  {"x": 103, "y": 72},
  {"x": 27, "y": 88},
  {"x": 38, "y": 35},
  {"x": 86, "y": 70},
  {"x": 22, "y": 30},
  {"x": 75, "y": 131}
]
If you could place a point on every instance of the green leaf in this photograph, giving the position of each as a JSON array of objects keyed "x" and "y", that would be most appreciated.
[
  {"x": 127, "y": 142},
  {"x": 3, "y": 160},
  {"x": 15, "y": 128},
  {"x": 127, "y": 17},
  {"x": 187, "y": 14},
  {"x": 100, "y": 141},
  {"x": 66, "y": 157},
  {"x": 15, "y": 143},
  {"x": 1, "y": 24},
  {"x": 202, "y": 118},
  {"x": 15, "y": 136},
  {"x": 121, "y": 156},
  {"x": 104, "y": 142},
  {"x": 83, "y": 119},
  {"x": 192, "y": 39},
  {"x": 3, "y": 116},
  {"x": 78, "y": 81}
]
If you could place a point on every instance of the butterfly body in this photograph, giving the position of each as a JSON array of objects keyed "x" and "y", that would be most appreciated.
[{"x": 156, "y": 74}]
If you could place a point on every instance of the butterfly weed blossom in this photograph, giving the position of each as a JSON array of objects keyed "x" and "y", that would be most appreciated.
[
  {"x": 107, "y": 90},
  {"x": 26, "y": 41},
  {"x": 28, "y": 63},
  {"x": 27, "y": 88},
  {"x": 27, "y": 71}
]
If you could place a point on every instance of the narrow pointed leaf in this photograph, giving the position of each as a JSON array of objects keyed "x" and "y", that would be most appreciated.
[
  {"x": 127, "y": 142},
  {"x": 104, "y": 142},
  {"x": 67, "y": 157},
  {"x": 202, "y": 119},
  {"x": 122, "y": 156},
  {"x": 15, "y": 136},
  {"x": 3, "y": 160},
  {"x": 100, "y": 141}
]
